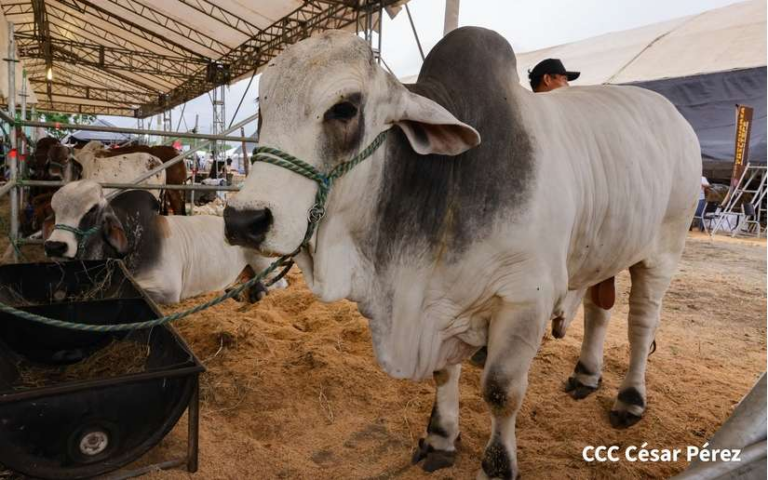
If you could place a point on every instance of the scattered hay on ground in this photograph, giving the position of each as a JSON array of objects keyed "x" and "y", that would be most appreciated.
[{"x": 293, "y": 389}]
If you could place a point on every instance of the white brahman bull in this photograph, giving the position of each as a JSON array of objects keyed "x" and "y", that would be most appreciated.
[
  {"x": 448, "y": 244},
  {"x": 87, "y": 164},
  {"x": 172, "y": 258}
]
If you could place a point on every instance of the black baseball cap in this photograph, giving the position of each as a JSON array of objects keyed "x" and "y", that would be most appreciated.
[{"x": 552, "y": 66}]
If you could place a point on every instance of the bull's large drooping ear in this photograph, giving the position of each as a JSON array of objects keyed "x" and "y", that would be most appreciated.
[
  {"x": 430, "y": 128},
  {"x": 114, "y": 234}
]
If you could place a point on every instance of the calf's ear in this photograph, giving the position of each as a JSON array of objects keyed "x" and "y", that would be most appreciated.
[
  {"x": 48, "y": 224},
  {"x": 114, "y": 233},
  {"x": 430, "y": 128},
  {"x": 76, "y": 169}
]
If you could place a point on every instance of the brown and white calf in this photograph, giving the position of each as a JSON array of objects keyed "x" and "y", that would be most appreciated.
[{"x": 90, "y": 163}]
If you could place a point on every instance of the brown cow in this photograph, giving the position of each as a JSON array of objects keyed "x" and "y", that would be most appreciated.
[{"x": 38, "y": 196}]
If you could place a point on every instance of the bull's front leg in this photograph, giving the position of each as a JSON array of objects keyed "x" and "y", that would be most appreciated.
[
  {"x": 513, "y": 340},
  {"x": 438, "y": 448}
]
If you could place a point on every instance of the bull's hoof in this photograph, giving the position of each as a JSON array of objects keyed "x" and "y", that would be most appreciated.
[
  {"x": 623, "y": 419},
  {"x": 578, "y": 390},
  {"x": 433, "y": 459},
  {"x": 437, "y": 460},
  {"x": 479, "y": 358},
  {"x": 482, "y": 476},
  {"x": 628, "y": 408},
  {"x": 251, "y": 295},
  {"x": 257, "y": 292},
  {"x": 558, "y": 327}
]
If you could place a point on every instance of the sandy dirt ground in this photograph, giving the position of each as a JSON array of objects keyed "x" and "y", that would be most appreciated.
[{"x": 293, "y": 391}]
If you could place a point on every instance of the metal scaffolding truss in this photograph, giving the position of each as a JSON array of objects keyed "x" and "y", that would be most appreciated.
[
  {"x": 105, "y": 13},
  {"x": 141, "y": 57},
  {"x": 77, "y": 91},
  {"x": 46, "y": 105},
  {"x": 255, "y": 53},
  {"x": 109, "y": 58}
]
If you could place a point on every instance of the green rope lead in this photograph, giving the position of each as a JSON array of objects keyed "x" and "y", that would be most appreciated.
[
  {"x": 14, "y": 244},
  {"x": 263, "y": 154},
  {"x": 149, "y": 323}
]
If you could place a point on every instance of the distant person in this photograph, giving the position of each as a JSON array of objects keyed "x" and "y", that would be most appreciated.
[
  {"x": 702, "y": 206},
  {"x": 550, "y": 74},
  {"x": 218, "y": 169}
]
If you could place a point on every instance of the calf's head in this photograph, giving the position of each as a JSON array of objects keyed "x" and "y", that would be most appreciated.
[
  {"x": 323, "y": 100},
  {"x": 86, "y": 227},
  {"x": 62, "y": 164}
]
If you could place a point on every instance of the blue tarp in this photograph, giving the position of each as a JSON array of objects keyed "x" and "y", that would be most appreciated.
[
  {"x": 709, "y": 101},
  {"x": 107, "y": 138}
]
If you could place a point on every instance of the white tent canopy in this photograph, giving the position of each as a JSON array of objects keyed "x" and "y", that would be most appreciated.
[
  {"x": 31, "y": 97},
  {"x": 728, "y": 38},
  {"x": 142, "y": 57}
]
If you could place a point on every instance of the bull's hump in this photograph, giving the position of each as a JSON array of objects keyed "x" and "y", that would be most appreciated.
[
  {"x": 447, "y": 204},
  {"x": 483, "y": 57}
]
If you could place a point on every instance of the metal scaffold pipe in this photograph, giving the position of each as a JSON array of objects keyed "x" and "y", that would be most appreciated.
[
  {"x": 134, "y": 186},
  {"x": 12, "y": 158},
  {"x": 136, "y": 131}
]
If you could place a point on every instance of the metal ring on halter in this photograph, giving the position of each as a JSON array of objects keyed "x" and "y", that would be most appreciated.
[{"x": 316, "y": 213}]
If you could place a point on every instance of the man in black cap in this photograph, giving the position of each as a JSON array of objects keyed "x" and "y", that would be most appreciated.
[{"x": 550, "y": 74}]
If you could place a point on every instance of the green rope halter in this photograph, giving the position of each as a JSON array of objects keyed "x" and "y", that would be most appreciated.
[
  {"x": 324, "y": 181},
  {"x": 81, "y": 235},
  {"x": 262, "y": 154}
]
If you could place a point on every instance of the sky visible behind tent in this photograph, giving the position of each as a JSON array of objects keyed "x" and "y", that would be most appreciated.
[{"x": 527, "y": 24}]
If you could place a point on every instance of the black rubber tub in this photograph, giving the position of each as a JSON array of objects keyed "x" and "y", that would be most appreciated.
[{"x": 63, "y": 427}]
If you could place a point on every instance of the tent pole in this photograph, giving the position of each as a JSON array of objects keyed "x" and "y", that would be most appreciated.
[
  {"x": 13, "y": 158},
  {"x": 451, "y": 21},
  {"x": 415, "y": 34}
]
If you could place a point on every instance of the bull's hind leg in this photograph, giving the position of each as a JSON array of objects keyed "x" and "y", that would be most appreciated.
[
  {"x": 438, "y": 448},
  {"x": 514, "y": 338},
  {"x": 587, "y": 375},
  {"x": 650, "y": 280}
]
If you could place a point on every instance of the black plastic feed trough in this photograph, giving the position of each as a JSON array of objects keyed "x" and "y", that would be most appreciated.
[{"x": 69, "y": 405}]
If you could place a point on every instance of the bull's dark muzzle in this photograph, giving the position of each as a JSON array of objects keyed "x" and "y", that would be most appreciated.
[
  {"x": 55, "y": 249},
  {"x": 246, "y": 228}
]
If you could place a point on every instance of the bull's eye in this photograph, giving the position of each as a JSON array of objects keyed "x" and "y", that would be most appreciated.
[{"x": 343, "y": 111}]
